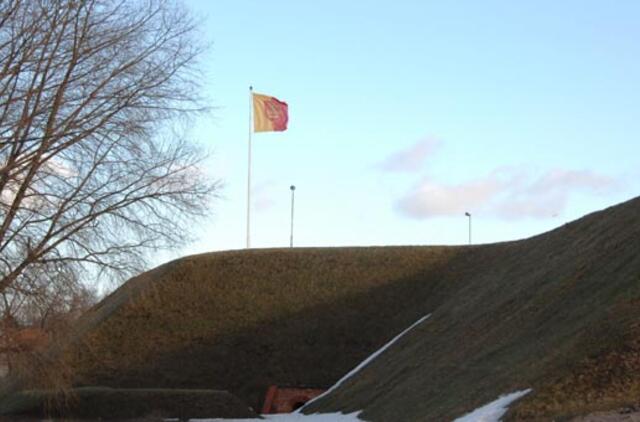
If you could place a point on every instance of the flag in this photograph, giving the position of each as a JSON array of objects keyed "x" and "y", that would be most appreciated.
[{"x": 269, "y": 114}]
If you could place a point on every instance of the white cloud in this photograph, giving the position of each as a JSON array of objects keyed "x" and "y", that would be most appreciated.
[
  {"x": 506, "y": 193},
  {"x": 432, "y": 199},
  {"x": 410, "y": 159},
  {"x": 262, "y": 196}
]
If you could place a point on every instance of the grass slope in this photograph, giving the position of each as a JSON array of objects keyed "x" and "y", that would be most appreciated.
[
  {"x": 240, "y": 321},
  {"x": 557, "y": 312}
]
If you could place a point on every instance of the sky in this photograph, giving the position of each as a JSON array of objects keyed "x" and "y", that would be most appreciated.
[{"x": 405, "y": 115}]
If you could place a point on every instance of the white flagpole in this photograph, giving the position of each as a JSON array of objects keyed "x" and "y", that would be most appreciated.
[{"x": 249, "y": 172}]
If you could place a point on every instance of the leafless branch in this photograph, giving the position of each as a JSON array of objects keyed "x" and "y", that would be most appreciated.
[{"x": 92, "y": 179}]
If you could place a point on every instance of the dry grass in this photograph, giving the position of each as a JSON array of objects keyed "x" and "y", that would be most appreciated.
[
  {"x": 243, "y": 320},
  {"x": 558, "y": 312}
]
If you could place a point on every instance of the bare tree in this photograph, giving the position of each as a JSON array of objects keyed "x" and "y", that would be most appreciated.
[{"x": 92, "y": 174}]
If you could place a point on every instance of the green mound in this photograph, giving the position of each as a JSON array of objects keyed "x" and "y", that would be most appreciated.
[{"x": 558, "y": 313}]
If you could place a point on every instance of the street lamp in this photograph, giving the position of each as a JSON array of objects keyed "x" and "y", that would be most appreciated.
[
  {"x": 469, "y": 215},
  {"x": 293, "y": 196}
]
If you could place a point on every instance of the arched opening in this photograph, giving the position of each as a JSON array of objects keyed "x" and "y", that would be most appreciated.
[
  {"x": 297, "y": 405},
  {"x": 288, "y": 399}
]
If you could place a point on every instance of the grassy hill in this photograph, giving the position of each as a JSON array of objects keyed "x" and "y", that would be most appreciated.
[
  {"x": 241, "y": 321},
  {"x": 558, "y": 313}
]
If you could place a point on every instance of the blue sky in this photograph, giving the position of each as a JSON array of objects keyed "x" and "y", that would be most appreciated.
[{"x": 406, "y": 114}]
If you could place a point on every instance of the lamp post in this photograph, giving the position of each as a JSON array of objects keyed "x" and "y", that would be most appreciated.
[
  {"x": 293, "y": 197},
  {"x": 469, "y": 215}
]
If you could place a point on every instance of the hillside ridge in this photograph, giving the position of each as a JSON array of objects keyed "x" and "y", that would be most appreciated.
[{"x": 556, "y": 312}]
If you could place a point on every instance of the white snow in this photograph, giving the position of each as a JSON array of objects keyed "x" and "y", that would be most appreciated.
[
  {"x": 365, "y": 362},
  {"x": 493, "y": 411},
  {"x": 294, "y": 417}
]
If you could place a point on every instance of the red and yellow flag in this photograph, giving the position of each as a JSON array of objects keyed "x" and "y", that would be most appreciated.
[{"x": 269, "y": 114}]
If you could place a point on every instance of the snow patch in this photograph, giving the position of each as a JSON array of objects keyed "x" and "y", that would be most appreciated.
[
  {"x": 365, "y": 362},
  {"x": 294, "y": 417},
  {"x": 493, "y": 411}
]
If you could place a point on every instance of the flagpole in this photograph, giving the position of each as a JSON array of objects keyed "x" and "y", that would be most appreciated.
[
  {"x": 293, "y": 195},
  {"x": 249, "y": 171}
]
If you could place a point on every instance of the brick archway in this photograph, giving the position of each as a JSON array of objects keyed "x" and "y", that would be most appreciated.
[{"x": 287, "y": 399}]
